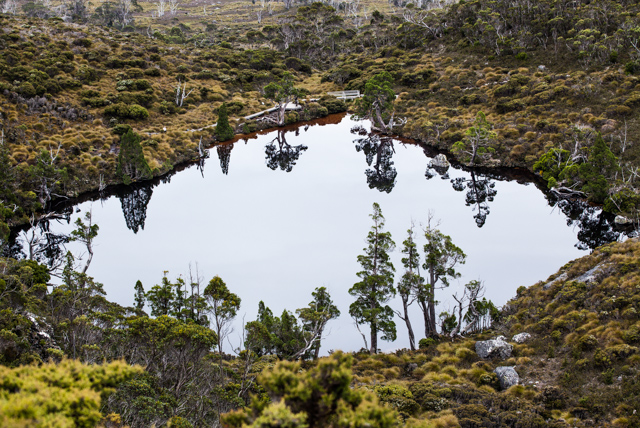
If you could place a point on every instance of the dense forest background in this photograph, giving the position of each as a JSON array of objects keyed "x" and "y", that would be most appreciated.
[{"x": 98, "y": 95}]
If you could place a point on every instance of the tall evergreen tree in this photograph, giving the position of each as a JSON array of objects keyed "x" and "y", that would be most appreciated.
[
  {"x": 441, "y": 258},
  {"x": 139, "y": 297},
  {"x": 161, "y": 297},
  {"x": 132, "y": 166},
  {"x": 223, "y": 131},
  {"x": 410, "y": 282},
  {"x": 376, "y": 285}
]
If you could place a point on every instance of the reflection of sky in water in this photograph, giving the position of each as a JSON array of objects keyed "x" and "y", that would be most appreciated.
[{"x": 275, "y": 236}]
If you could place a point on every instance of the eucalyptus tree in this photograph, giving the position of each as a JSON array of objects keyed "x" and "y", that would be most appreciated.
[
  {"x": 223, "y": 307},
  {"x": 315, "y": 318},
  {"x": 411, "y": 282},
  {"x": 85, "y": 233},
  {"x": 284, "y": 155},
  {"x": 478, "y": 139},
  {"x": 377, "y": 103},
  {"x": 376, "y": 285},
  {"x": 441, "y": 258},
  {"x": 282, "y": 93}
]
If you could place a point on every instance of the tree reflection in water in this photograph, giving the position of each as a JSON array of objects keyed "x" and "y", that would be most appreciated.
[
  {"x": 383, "y": 175},
  {"x": 281, "y": 154},
  {"x": 134, "y": 203},
  {"x": 596, "y": 227},
  {"x": 480, "y": 191},
  {"x": 224, "y": 154}
]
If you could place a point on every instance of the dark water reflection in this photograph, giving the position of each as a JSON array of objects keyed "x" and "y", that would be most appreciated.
[
  {"x": 292, "y": 214},
  {"x": 383, "y": 174}
]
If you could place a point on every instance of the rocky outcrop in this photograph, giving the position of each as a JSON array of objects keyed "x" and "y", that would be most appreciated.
[
  {"x": 622, "y": 220},
  {"x": 559, "y": 278},
  {"x": 593, "y": 275},
  {"x": 440, "y": 161},
  {"x": 507, "y": 376},
  {"x": 494, "y": 348},
  {"x": 521, "y": 337}
]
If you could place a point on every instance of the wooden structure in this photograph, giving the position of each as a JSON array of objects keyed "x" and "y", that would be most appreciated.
[{"x": 345, "y": 95}]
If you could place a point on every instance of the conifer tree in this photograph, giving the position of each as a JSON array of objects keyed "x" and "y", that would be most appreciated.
[
  {"x": 441, "y": 258},
  {"x": 223, "y": 130},
  {"x": 410, "y": 282},
  {"x": 139, "y": 297},
  {"x": 376, "y": 287},
  {"x": 132, "y": 166}
]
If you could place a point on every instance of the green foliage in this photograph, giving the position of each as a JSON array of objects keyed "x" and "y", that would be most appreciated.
[
  {"x": 132, "y": 166},
  {"x": 316, "y": 316},
  {"x": 223, "y": 131},
  {"x": 282, "y": 93},
  {"x": 478, "y": 139},
  {"x": 593, "y": 173},
  {"x": 399, "y": 398},
  {"x": 282, "y": 336},
  {"x": 223, "y": 306},
  {"x": 124, "y": 111},
  {"x": 377, "y": 102},
  {"x": 319, "y": 397},
  {"x": 441, "y": 258},
  {"x": 376, "y": 285},
  {"x": 67, "y": 394},
  {"x": 139, "y": 297}
]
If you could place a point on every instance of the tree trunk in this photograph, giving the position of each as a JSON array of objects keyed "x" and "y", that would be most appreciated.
[
  {"x": 407, "y": 321},
  {"x": 374, "y": 338},
  {"x": 425, "y": 314}
]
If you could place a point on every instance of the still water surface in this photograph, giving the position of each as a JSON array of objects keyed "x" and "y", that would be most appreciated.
[{"x": 276, "y": 220}]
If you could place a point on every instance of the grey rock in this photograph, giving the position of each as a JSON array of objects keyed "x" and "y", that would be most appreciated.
[
  {"x": 440, "y": 161},
  {"x": 521, "y": 337},
  {"x": 508, "y": 376},
  {"x": 592, "y": 275},
  {"x": 494, "y": 348},
  {"x": 549, "y": 284},
  {"x": 542, "y": 68},
  {"x": 622, "y": 220}
]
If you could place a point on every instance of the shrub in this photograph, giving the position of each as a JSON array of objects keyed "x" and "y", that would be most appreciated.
[
  {"x": 83, "y": 41},
  {"x": 332, "y": 104},
  {"x": 154, "y": 72},
  {"x": 426, "y": 343},
  {"x": 223, "y": 131},
  {"x": 398, "y": 397},
  {"x": 124, "y": 111}
]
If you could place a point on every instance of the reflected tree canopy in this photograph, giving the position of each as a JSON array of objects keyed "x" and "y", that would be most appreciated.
[
  {"x": 596, "y": 227},
  {"x": 224, "y": 154},
  {"x": 134, "y": 206},
  {"x": 480, "y": 191},
  {"x": 42, "y": 244},
  {"x": 383, "y": 174},
  {"x": 281, "y": 154}
]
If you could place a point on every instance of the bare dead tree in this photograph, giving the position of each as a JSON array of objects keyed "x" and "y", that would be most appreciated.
[
  {"x": 9, "y": 7},
  {"x": 364, "y": 337},
  {"x": 173, "y": 6},
  {"x": 181, "y": 93},
  {"x": 161, "y": 7}
]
